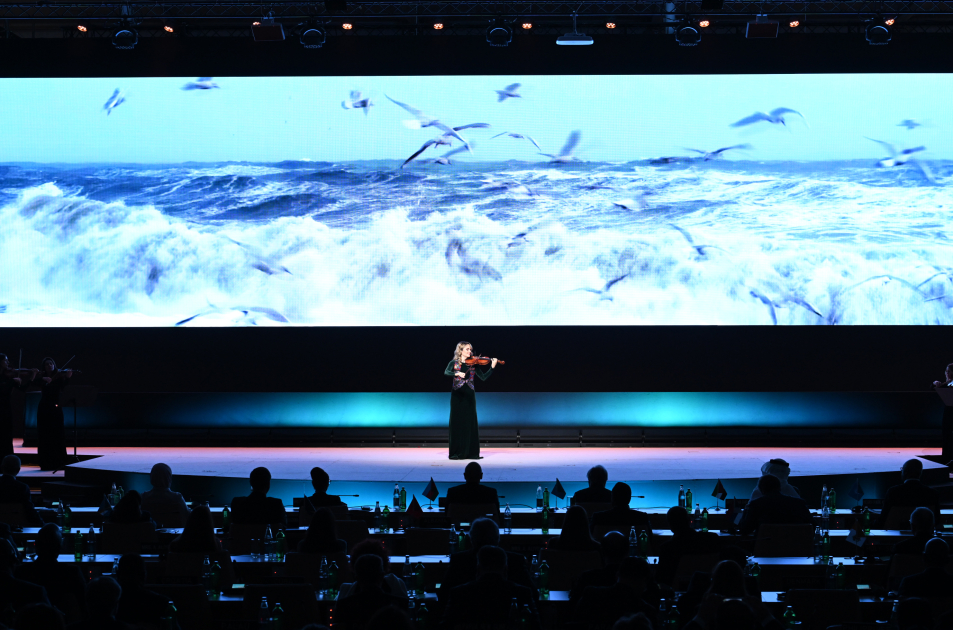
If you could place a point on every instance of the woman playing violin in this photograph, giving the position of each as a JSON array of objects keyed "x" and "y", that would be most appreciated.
[
  {"x": 464, "y": 433},
  {"x": 51, "y": 436},
  {"x": 10, "y": 379}
]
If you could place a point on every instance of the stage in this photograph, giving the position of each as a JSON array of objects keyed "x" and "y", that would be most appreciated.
[{"x": 218, "y": 474}]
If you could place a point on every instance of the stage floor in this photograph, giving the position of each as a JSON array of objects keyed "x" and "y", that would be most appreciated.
[{"x": 500, "y": 465}]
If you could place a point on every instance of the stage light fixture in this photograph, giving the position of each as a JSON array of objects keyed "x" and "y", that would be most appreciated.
[
  {"x": 575, "y": 38},
  {"x": 311, "y": 36},
  {"x": 704, "y": 23},
  {"x": 878, "y": 34},
  {"x": 125, "y": 38},
  {"x": 610, "y": 24},
  {"x": 762, "y": 28},
  {"x": 168, "y": 29},
  {"x": 889, "y": 21},
  {"x": 256, "y": 23},
  {"x": 794, "y": 24},
  {"x": 527, "y": 26},
  {"x": 687, "y": 34},
  {"x": 81, "y": 28},
  {"x": 438, "y": 26},
  {"x": 499, "y": 33},
  {"x": 347, "y": 26}
]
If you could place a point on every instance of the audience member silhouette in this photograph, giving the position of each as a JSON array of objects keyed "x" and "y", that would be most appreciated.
[
  {"x": 601, "y": 606},
  {"x": 934, "y": 581},
  {"x": 486, "y": 601},
  {"x": 322, "y": 535},
  {"x": 320, "y": 481},
  {"x": 129, "y": 510},
  {"x": 39, "y": 617},
  {"x": 773, "y": 507},
  {"x": 916, "y": 613},
  {"x": 615, "y": 547},
  {"x": 15, "y": 592},
  {"x": 64, "y": 582},
  {"x": 597, "y": 492},
  {"x": 258, "y": 507},
  {"x": 728, "y": 583},
  {"x": 923, "y": 527},
  {"x": 473, "y": 492},
  {"x": 463, "y": 564},
  {"x": 138, "y": 605},
  {"x": 575, "y": 534},
  {"x": 102, "y": 604},
  {"x": 367, "y": 597},
  {"x": 389, "y": 618},
  {"x": 911, "y": 492},
  {"x": 637, "y": 621},
  {"x": 14, "y": 491},
  {"x": 198, "y": 536},
  {"x": 685, "y": 540},
  {"x": 780, "y": 469},
  {"x": 162, "y": 502},
  {"x": 621, "y": 518},
  {"x": 392, "y": 584}
]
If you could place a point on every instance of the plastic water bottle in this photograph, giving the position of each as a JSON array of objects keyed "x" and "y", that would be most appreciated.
[
  {"x": 281, "y": 545},
  {"x": 170, "y": 617},
  {"x": 826, "y": 547},
  {"x": 453, "y": 541},
  {"x": 78, "y": 547},
  {"x": 215, "y": 583},
  {"x": 543, "y": 579},
  {"x": 207, "y": 575},
  {"x": 545, "y": 520},
  {"x": 112, "y": 495},
  {"x": 704, "y": 520},
  {"x": 67, "y": 518},
  {"x": 396, "y": 496},
  {"x": 688, "y": 499},
  {"x": 681, "y": 496},
  {"x": 226, "y": 518},
  {"x": 534, "y": 567},
  {"x": 115, "y": 569},
  {"x": 277, "y": 617},
  {"x": 818, "y": 541},
  {"x": 407, "y": 569},
  {"x": 865, "y": 521},
  {"x": 644, "y": 545},
  {"x": 756, "y": 572},
  {"x": 839, "y": 576},
  {"x": 120, "y": 492},
  {"x": 545, "y": 498},
  {"x": 91, "y": 544},
  {"x": 832, "y": 500},
  {"x": 697, "y": 516},
  {"x": 633, "y": 542},
  {"x": 385, "y": 520},
  {"x": 269, "y": 544},
  {"x": 333, "y": 572},
  {"x": 825, "y": 498},
  {"x": 423, "y": 616},
  {"x": 419, "y": 578},
  {"x": 507, "y": 519},
  {"x": 403, "y": 499},
  {"x": 789, "y": 619},
  {"x": 323, "y": 575},
  {"x": 264, "y": 614},
  {"x": 377, "y": 516},
  {"x": 826, "y": 518},
  {"x": 539, "y": 498}
]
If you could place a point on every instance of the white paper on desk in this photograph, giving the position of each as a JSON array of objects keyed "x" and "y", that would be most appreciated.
[
  {"x": 856, "y": 538},
  {"x": 738, "y": 518}
]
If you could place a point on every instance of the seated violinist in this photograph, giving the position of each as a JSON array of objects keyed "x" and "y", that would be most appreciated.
[{"x": 948, "y": 378}]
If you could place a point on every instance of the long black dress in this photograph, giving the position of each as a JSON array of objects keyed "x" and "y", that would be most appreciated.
[
  {"x": 7, "y": 385},
  {"x": 464, "y": 433},
  {"x": 50, "y": 433}
]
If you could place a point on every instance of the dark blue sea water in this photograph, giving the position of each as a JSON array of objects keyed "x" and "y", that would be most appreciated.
[{"x": 517, "y": 243}]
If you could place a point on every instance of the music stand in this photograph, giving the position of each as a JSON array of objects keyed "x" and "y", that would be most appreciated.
[
  {"x": 946, "y": 395},
  {"x": 79, "y": 396}
]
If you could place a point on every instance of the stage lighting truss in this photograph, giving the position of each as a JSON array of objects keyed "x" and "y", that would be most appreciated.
[{"x": 499, "y": 33}]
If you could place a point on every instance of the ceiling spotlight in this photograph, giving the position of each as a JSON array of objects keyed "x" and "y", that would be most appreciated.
[
  {"x": 575, "y": 38},
  {"x": 889, "y": 21},
  {"x": 878, "y": 34},
  {"x": 527, "y": 25},
  {"x": 438, "y": 26},
  {"x": 125, "y": 38},
  {"x": 81, "y": 28},
  {"x": 168, "y": 29},
  {"x": 256, "y": 23},
  {"x": 610, "y": 24},
  {"x": 687, "y": 34},
  {"x": 499, "y": 33},
  {"x": 704, "y": 23},
  {"x": 794, "y": 24},
  {"x": 347, "y": 26},
  {"x": 312, "y": 36}
]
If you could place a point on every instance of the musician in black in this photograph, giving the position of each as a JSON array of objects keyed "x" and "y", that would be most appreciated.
[
  {"x": 51, "y": 435},
  {"x": 10, "y": 379}
]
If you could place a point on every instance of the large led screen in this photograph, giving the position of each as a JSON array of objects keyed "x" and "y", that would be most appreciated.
[{"x": 483, "y": 200}]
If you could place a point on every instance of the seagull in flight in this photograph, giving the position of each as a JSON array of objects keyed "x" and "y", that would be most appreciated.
[
  {"x": 426, "y": 120},
  {"x": 117, "y": 99},
  {"x": 357, "y": 101},
  {"x": 775, "y": 117},
  {"x": 510, "y": 91},
  {"x": 565, "y": 154},
  {"x": 899, "y": 158},
  {"x": 603, "y": 293},
  {"x": 249, "y": 314},
  {"x": 691, "y": 241},
  {"x": 445, "y": 158},
  {"x": 202, "y": 83},
  {"x": 446, "y": 139},
  {"x": 711, "y": 155},
  {"x": 909, "y": 123},
  {"x": 518, "y": 136}
]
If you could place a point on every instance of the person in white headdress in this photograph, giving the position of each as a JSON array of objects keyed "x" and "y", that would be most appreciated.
[{"x": 780, "y": 469}]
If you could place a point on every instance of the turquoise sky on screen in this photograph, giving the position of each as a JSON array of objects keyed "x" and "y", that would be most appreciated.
[{"x": 621, "y": 118}]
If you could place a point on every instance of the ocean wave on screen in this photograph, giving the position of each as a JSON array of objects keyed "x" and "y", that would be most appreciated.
[{"x": 305, "y": 243}]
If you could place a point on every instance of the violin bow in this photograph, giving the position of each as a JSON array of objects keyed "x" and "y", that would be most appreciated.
[{"x": 67, "y": 363}]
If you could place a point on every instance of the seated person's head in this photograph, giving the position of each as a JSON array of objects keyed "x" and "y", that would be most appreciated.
[
  {"x": 369, "y": 570},
  {"x": 102, "y": 597},
  {"x": 621, "y": 494},
  {"x": 912, "y": 469},
  {"x": 922, "y": 520},
  {"x": 473, "y": 473},
  {"x": 733, "y": 614},
  {"x": 598, "y": 476},
  {"x": 132, "y": 570},
  {"x": 49, "y": 541},
  {"x": 734, "y": 553},
  {"x": 323, "y": 526},
  {"x": 637, "y": 621},
  {"x": 260, "y": 480},
  {"x": 678, "y": 519},
  {"x": 161, "y": 477},
  {"x": 491, "y": 559},
  {"x": 320, "y": 480},
  {"x": 728, "y": 579},
  {"x": 615, "y": 546},
  {"x": 10, "y": 465},
  {"x": 634, "y": 572},
  {"x": 484, "y": 531},
  {"x": 949, "y": 372},
  {"x": 39, "y": 617},
  {"x": 129, "y": 506},
  {"x": 936, "y": 553},
  {"x": 769, "y": 484},
  {"x": 575, "y": 524},
  {"x": 374, "y": 547}
]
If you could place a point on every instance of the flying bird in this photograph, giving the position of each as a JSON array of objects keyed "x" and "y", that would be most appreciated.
[
  {"x": 603, "y": 293},
  {"x": 631, "y": 204},
  {"x": 691, "y": 241},
  {"x": 445, "y": 139},
  {"x": 711, "y": 155},
  {"x": 117, "y": 99},
  {"x": 909, "y": 123},
  {"x": 250, "y": 314},
  {"x": 425, "y": 120},
  {"x": 510, "y": 91},
  {"x": 518, "y": 136},
  {"x": 899, "y": 158},
  {"x": 202, "y": 83},
  {"x": 445, "y": 158},
  {"x": 565, "y": 154},
  {"x": 776, "y": 117},
  {"x": 357, "y": 101},
  {"x": 261, "y": 261}
]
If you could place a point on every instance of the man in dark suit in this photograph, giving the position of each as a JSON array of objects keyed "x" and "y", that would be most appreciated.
[
  {"x": 137, "y": 604},
  {"x": 934, "y": 581},
  {"x": 615, "y": 547},
  {"x": 102, "y": 603},
  {"x": 922, "y": 525},
  {"x": 473, "y": 492},
  {"x": 620, "y": 518},
  {"x": 320, "y": 481},
  {"x": 685, "y": 540},
  {"x": 14, "y": 491},
  {"x": 486, "y": 602},
  {"x": 597, "y": 492},
  {"x": 463, "y": 564},
  {"x": 773, "y": 507},
  {"x": 911, "y": 493},
  {"x": 64, "y": 582},
  {"x": 354, "y": 611},
  {"x": 15, "y": 592},
  {"x": 257, "y": 507},
  {"x": 601, "y": 606}
]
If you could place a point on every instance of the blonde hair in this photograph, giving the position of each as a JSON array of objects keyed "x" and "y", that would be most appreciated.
[{"x": 458, "y": 351}]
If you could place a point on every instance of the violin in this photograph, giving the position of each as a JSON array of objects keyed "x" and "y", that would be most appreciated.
[{"x": 481, "y": 361}]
